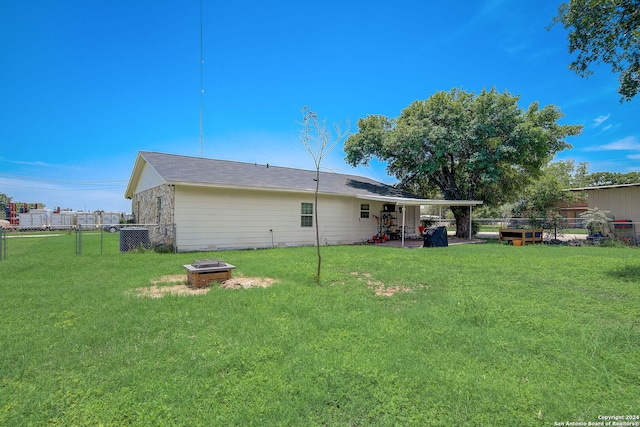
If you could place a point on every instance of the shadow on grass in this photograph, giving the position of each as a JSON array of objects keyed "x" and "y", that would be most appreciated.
[{"x": 630, "y": 273}]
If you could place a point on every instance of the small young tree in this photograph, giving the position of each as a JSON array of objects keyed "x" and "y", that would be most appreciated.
[{"x": 318, "y": 141}]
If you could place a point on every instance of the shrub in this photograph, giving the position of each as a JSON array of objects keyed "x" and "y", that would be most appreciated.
[
  {"x": 596, "y": 221},
  {"x": 613, "y": 243},
  {"x": 162, "y": 249}
]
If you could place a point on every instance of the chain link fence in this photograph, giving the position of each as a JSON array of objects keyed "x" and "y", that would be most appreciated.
[
  {"x": 90, "y": 240},
  {"x": 121, "y": 238},
  {"x": 96, "y": 240},
  {"x": 560, "y": 223}
]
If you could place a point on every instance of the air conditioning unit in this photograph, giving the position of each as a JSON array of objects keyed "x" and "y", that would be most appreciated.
[{"x": 132, "y": 238}]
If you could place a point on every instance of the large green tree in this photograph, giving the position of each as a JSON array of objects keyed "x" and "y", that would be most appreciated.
[
  {"x": 605, "y": 31},
  {"x": 469, "y": 146}
]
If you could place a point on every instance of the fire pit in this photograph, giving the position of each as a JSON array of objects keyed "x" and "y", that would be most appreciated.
[{"x": 203, "y": 272}]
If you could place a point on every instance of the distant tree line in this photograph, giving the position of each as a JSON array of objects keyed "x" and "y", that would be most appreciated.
[{"x": 598, "y": 179}]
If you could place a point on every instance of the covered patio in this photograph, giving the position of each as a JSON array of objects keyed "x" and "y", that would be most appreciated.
[{"x": 403, "y": 202}]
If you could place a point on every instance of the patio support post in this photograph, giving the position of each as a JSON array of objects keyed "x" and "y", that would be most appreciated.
[
  {"x": 470, "y": 222},
  {"x": 404, "y": 208}
]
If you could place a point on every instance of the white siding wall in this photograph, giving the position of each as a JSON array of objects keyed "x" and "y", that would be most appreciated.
[
  {"x": 623, "y": 203},
  {"x": 214, "y": 219}
]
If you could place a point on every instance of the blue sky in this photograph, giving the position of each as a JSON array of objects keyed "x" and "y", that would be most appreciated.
[{"x": 87, "y": 84}]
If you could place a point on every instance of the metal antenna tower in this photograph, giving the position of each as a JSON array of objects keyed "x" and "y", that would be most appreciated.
[{"x": 200, "y": 151}]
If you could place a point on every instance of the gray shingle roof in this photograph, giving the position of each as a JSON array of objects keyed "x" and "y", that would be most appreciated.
[{"x": 185, "y": 170}]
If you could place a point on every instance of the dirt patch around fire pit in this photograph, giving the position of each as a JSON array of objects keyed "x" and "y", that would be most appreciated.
[
  {"x": 380, "y": 288},
  {"x": 177, "y": 285},
  {"x": 247, "y": 282}
]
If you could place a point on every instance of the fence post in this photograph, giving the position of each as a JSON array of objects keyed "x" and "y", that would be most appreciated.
[
  {"x": 78, "y": 240},
  {"x": 3, "y": 244}
]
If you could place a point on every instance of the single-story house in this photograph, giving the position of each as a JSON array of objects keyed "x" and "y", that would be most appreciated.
[{"x": 202, "y": 204}]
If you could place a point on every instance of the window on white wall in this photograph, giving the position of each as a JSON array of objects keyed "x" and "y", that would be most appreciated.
[
  {"x": 364, "y": 210},
  {"x": 306, "y": 218}
]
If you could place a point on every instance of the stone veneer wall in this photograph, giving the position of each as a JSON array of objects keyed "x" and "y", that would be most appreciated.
[{"x": 145, "y": 210}]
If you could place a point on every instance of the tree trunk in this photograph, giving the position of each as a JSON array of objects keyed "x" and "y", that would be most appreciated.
[
  {"x": 462, "y": 214},
  {"x": 315, "y": 211}
]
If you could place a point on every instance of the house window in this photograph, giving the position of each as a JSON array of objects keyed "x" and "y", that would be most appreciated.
[
  {"x": 159, "y": 208},
  {"x": 364, "y": 210},
  {"x": 306, "y": 219}
]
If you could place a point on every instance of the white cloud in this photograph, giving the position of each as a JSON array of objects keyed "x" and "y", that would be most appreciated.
[
  {"x": 25, "y": 163},
  {"x": 630, "y": 143},
  {"x": 599, "y": 120},
  {"x": 633, "y": 156}
]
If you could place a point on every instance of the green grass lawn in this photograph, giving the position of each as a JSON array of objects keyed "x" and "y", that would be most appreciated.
[{"x": 477, "y": 335}]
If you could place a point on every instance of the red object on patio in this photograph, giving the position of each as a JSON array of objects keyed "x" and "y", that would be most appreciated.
[{"x": 622, "y": 223}]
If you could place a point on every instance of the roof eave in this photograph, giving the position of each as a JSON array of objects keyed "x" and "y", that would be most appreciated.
[
  {"x": 135, "y": 175},
  {"x": 419, "y": 202},
  {"x": 604, "y": 187}
]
